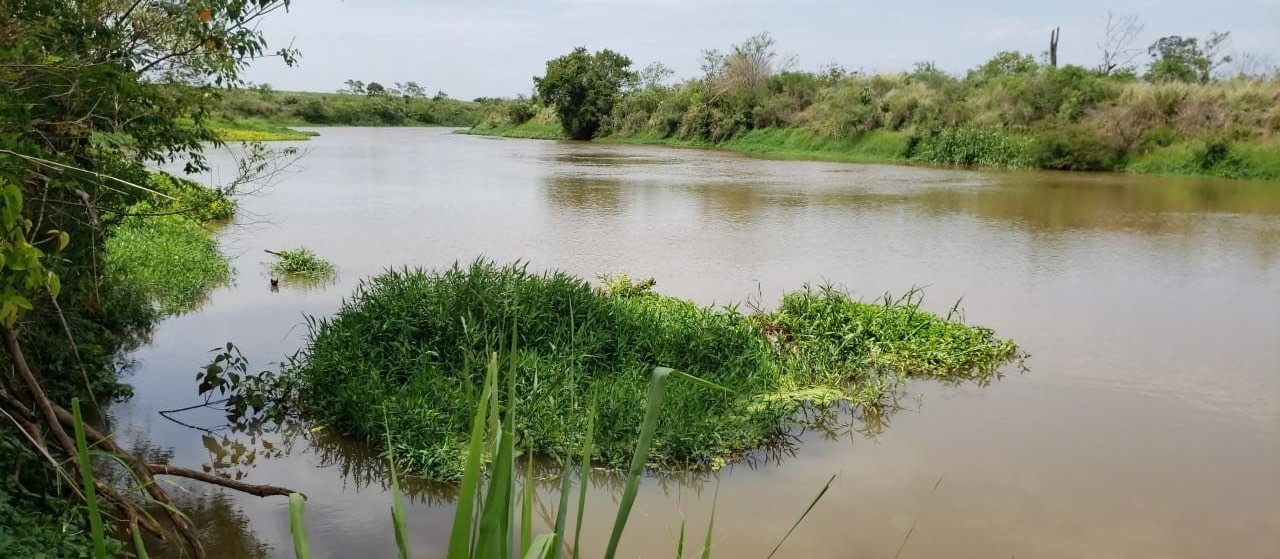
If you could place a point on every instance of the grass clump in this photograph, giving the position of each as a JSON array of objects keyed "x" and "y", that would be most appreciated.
[
  {"x": 301, "y": 262},
  {"x": 414, "y": 343},
  {"x": 170, "y": 258}
]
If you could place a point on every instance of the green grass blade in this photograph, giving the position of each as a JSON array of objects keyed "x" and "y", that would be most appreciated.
[
  {"x": 90, "y": 492},
  {"x": 495, "y": 537},
  {"x": 907, "y": 537},
  {"x": 701, "y": 382},
  {"x": 563, "y": 511},
  {"x": 460, "y": 537},
  {"x": 397, "y": 515},
  {"x": 139, "y": 548},
  {"x": 298, "y": 527},
  {"x": 653, "y": 404},
  {"x": 584, "y": 477},
  {"x": 542, "y": 548},
  {"x": 398, "y": 524},
  {"x": 806, "y": 513},
  {"x": 680, "y": 541},
  {"x": 526, "y": 502},
  {"x": 711, "y": 524}
]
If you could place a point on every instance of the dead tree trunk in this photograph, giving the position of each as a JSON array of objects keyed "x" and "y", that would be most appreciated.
[{"x": 1053, "y": 46}]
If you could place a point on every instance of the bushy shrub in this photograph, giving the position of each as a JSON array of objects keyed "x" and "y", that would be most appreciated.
[{"x": 967, "y": 145}]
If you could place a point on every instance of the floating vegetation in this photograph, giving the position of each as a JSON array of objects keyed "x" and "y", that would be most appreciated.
[
  {"x": 302, "y": 263},
  {"x": 414, "y": 343}
]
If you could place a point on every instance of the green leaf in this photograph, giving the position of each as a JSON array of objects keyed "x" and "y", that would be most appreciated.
[
  {"x": 55, "y": 285},
  {"x": 86, "y": 477},
  {"x": 543, "y": 547},
  {"x": 463, "y": 519},
  {"x": 495, "y": 521},
  {"x": 653, "y": 404}
]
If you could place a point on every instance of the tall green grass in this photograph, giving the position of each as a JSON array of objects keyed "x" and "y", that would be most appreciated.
[
  {"x": 413, "y": 343},
  {"x": 482, "y": 527},
  {"x": 171, "y": 258}
]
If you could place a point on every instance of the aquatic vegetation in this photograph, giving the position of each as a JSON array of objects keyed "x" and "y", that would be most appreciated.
[
  {"x": 231, "y": 134},
  {"x": 170, "y": 258},
  {"x": 302, "y": 262},
  {"x": 483, "y": 526},
  {"x": 413, "y": 343}
]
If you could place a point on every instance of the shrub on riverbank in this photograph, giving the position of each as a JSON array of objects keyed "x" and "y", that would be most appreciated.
[
  {"x": 346, "y": 109},
  {"x": 1010, "y": 112},
  {"x": 413, "y": 344}
]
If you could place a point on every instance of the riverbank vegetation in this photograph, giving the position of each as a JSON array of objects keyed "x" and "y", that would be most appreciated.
[
  {"x": 379, "y": 106},
  {"x": 93, "y": 97},
  {"x": 1187, "y": 112},
  {"x": 412, "y": 344}
]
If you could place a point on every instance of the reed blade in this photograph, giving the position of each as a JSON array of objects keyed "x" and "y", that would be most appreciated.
[
  {"x": 543, "y": 547},
  {"x": 653, "y": 404},
  {"x": 584, "y": 477},
  {"x": 711, "y": 524},
  {"x": 464, "y": 516},
  {"x": 526, "y": 502},
  {"x": 139, "y": 548},
  {"x": 802, "y": 516},
  {"x": 86, "y": 477},
  {"x": 494, "y": 538},
  {"x": 562, "y": 511}
]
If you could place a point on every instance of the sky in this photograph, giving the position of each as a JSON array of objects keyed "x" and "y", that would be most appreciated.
[{"x": 494, "y": 48}]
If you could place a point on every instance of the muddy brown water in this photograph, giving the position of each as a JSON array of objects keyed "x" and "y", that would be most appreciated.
[{"x": 1148, "y": 424}]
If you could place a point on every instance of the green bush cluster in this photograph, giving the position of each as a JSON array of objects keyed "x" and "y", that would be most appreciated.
[{"x": 403, "y": 360}]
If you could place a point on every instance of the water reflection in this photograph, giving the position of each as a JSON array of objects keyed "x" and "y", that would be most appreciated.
[{"x": 1147, "y": 302}]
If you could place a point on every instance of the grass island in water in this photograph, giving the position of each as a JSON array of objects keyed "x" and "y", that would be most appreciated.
[{"x": 413, "y": 344}]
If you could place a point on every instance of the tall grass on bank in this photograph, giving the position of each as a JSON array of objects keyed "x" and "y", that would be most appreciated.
[
  {"x": 164, "y": 251},
  {"x": 414, "y": 342},
  {"x": 170, "y": 258}
]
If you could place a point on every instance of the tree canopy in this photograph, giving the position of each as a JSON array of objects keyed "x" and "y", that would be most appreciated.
[{"x": 582, "y": 88}]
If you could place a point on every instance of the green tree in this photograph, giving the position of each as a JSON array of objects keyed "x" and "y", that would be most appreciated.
[
  {"x": 94, "y": 94},
  {"x": 375, "y": 89},
  {"x": 582, "y": 88},
  {"x": 1186, "y": 59}
]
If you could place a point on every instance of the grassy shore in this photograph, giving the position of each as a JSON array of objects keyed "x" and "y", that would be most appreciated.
[{"x": 1235, "y": 160}]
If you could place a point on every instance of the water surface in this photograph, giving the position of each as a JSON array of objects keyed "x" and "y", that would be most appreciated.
[{"x": 1147, "y": 426}]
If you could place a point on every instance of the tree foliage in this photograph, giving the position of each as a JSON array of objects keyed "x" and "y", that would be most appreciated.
[
  {"x": 93, "y": 94},
  {"x": 582, "y": 88}
]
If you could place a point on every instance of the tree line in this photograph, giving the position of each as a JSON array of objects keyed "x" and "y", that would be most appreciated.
[{"x": 1182, "y": 104}]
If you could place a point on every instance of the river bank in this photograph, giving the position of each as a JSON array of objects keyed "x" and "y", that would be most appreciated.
[{"x": 1238, "y": 160}]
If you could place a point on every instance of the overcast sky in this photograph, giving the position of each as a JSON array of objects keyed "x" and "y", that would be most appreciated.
[{"x": 493, "y": 48}]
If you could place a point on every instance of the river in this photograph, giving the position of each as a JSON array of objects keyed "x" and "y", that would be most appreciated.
[{"x": 1147, "y": 423}]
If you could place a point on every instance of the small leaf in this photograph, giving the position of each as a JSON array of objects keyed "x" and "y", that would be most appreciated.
[
  {"x": 55, "y": 285},
  {"x": 64, "y": 239}
]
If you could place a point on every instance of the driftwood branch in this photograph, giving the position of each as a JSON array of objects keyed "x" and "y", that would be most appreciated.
[{"x": 56, "y": 420}]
